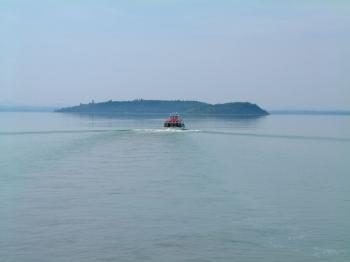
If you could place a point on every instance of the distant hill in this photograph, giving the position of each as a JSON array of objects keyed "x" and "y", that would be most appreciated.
[{"x": 165, "y": 107}]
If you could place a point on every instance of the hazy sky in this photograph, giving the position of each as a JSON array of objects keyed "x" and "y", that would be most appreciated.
[{"x": 279, "y": 54}]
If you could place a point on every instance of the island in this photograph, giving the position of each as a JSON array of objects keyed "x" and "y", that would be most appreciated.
[{"x": 141, "y": 106}]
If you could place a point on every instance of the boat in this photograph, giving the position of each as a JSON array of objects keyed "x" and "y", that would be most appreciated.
[{"x": 174, "y": 121}]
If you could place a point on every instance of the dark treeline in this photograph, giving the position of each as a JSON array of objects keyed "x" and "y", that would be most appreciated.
[{"x": 162, "y": 106}]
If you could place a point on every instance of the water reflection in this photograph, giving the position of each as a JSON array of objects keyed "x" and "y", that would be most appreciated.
[{"x": 156, "y": 120}]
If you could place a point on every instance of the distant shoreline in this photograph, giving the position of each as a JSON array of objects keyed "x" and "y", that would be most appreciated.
[
  {"x": 310, "y": 112},
  {"x": 273, "y": 113},
  {"x": 167, "y": 106},
  {"x": 48, "y": 109},
  {"x": 28, "y": 109}
]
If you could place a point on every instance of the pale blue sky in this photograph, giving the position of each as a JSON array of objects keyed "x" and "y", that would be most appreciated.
[{"x": 279, "y": 54}]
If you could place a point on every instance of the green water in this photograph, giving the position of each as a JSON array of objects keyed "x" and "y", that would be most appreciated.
[{"x": 75, "y": 188}]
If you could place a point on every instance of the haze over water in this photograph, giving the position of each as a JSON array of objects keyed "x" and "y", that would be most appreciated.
[{"x": 84, "y": 188}]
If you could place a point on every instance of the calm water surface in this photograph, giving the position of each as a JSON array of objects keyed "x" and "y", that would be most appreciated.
[{"x": 78, "y": 188}]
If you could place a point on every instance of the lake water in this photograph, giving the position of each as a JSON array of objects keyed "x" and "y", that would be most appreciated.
[{"x": 83, "y": 188}]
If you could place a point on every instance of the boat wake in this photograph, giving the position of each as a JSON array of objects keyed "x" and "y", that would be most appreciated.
[
  {"x": 174, "y": 131},
  {"x": 131, "y": 130},
  {"x": 167, "y": 130},
  {"x": 278, "y": 136}
]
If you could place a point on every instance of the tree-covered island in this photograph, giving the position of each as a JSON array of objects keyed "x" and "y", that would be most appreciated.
[{"x": 141, "y": 106}]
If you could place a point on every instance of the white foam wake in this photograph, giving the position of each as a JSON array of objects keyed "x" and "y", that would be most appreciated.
[{"x": 166, "y": 130}]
